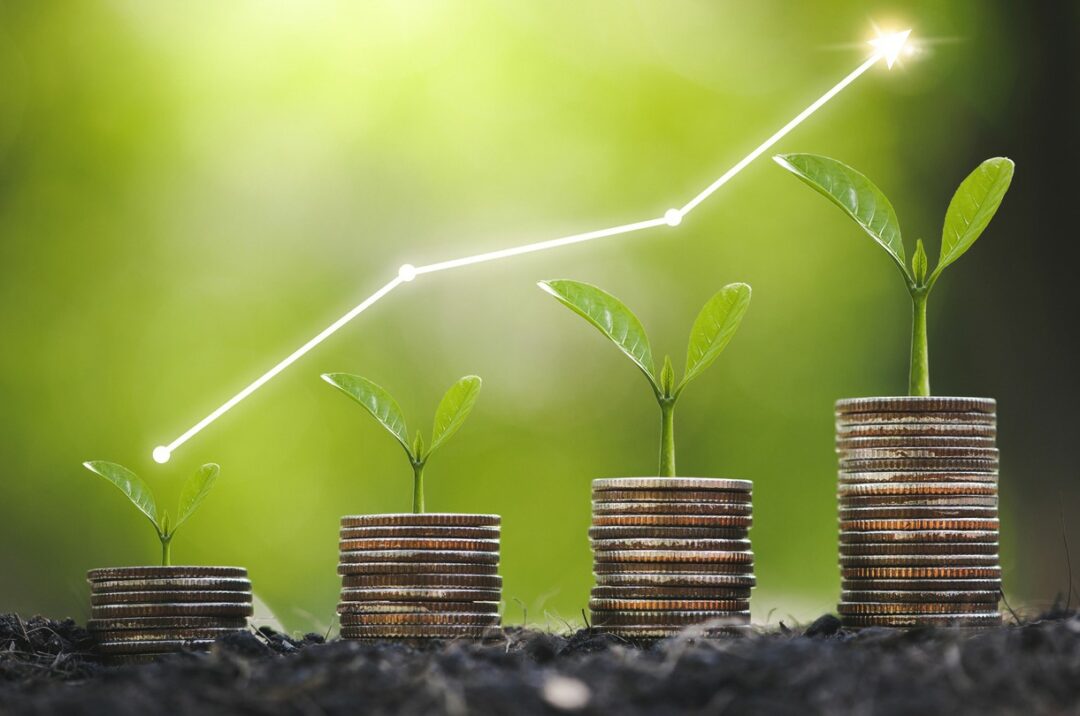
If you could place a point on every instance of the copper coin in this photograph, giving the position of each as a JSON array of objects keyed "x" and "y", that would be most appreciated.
[
  {"x": 420, "y": 532},
  {"x": 646, "y": 632},
  {"x": 122, "y": 635},
  {"x": 941, "y": 548},
  {"x": 359, "y": 609},
  {"x": 674, "y": 579},
  {"x": 222, "y": 609},
  {"x": 935, "y": 536},
  {"x": 159, "y": 623},
  {"x": 168, "y": 597},
  {"x": 675, "y": 533},
  {"x": 909, "y": 512},
  {"x": 473, "y": 569},
  {"x": 672, "y": 568},
  {"x": 419, "y": 631},
  {"x": 915, "y": 403},
  {"x": 845, "y": 430},
  {"x": 660, "y": 593},
  {"x": 631, "y": 618},
  {"x": 722, "y": 496},
  {"x": 672, "y": 521},
  {"x": 919, "y": 560},
  {"x": 895, "y": 595},
  {"x": 923, "y": 620},
  {"x": 920, "y": 419},
  {"x": 113, "y": 574},
  {"x": 156, "y": 646},
  {"x": 671, "y": 508},
  {"x": 846, "y": 444},
  {"x": 915, "y": 524},
  {"x": 209, "y": 584},
  {"x": 419, "y": 555},
  {"x": 921, "y": 585},
  {"x": 451, "y": 581},
  {"x": 674, "y": 555},
  {"x": 919, "y": 464},
  {"x": 423, "y": 519},
  {"x": 672, "y": 483},
  {"x": 607, "y": 545},
  {"x": 870, "y": 483},
  {"x": 921, "y": 573},
  {"x": 443, "y": 618},
  {"x": 383, "y": 544},
  {"x": 920, "y": 453},
  {"x": 875, "y": 608},
  {"x": 424, "y": 594},
  {"x": 669, "y": 605},
  {"x": 921, "y": 500}
]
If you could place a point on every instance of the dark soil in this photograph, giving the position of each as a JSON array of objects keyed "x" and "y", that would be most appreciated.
[{"x": 46, "y": 667}]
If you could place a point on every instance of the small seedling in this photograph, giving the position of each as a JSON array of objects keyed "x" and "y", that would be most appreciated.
[
  {"x": 713, "y": 328},
  {"x": 971, "y": 209},
  {"x": 194, "y": 492},
  {"x": 454, "y": 407}
]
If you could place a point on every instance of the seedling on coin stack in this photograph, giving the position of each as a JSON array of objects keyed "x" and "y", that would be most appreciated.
[
  {"x": 918, "y": 474},
  {"x": 141, "y": 613},
  {"x": 418, "y": 575},
  {"x": 668, "y": 552}
]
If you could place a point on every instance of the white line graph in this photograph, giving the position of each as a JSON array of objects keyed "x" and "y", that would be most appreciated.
[{"x": 886, "y": 46}]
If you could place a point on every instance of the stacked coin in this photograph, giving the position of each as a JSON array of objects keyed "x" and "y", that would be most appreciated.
[
  {"x": 419, "y": 576},
  {"x": 669, "y": 553},
  {"x": 918, "y": 498},
  {"x": 141, "y": 613}
]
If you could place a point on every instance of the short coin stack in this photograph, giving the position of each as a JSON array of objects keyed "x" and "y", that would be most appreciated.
[
  {"x": 918, "y": 512},
  {"x": 669, "y": 553},
  {"x": 141, "y": 613},
  {"x": 420, "y": 576}
]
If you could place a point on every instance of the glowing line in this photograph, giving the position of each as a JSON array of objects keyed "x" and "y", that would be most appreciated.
[{"x": 672, "y": 217}]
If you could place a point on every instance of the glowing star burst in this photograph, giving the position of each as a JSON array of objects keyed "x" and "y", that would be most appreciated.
[{"x": 889, "y": 46}]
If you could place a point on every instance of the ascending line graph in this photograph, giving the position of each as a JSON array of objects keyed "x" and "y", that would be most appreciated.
[{"x": 887, "y": 47}]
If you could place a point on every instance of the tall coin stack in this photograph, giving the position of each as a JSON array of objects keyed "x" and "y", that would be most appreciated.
[
  {"x": 669, "y": 553},
  {"x": 141, "y": 613},
  {"x": 420, "y": 576},
  {"x": 918, "y": 512}
]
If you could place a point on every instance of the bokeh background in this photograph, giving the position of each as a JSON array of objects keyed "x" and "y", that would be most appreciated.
[{"x": 188, "y": 191}]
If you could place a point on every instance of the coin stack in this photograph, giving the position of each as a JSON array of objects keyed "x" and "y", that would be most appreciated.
[
  {"x": 918, "y": 498},
  {"x": 141, "y": 613},
  {"x": 420, "y": 576},
  {"x": 669, "y": 553}
]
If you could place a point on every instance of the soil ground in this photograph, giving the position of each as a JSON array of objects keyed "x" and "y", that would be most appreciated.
[{"x": 47, "y": 667}]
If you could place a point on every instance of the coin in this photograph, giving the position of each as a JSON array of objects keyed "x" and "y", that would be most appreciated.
[
  {"x": 646, "y": 632},
  {"x": 923, "y": 620},
  {"x": 672, "y": 483},
  {"x": 606, "y": 545},
  {"x": 157, "y": 623},
  {"x": 362, "y": 608},
  {"x": 356, "y": 568},
  {"x": 110, "y": 574},
  {"x": 674, "y": 579},
  {"x": 167, "y": 597},
  {"x": 908, "y": 512},
  {"x": 847, "y": 501},
  {"x": 919, "y": 560},
  {"x": 424, "y": 594},
  {"x": 915, "y": 490},
  {"x": 672, "y": 520},
  {"x": 936, "y": 536},
  {"x": 669, "y": 605},
  {"x": 846, "y": 430},
  {"x": 453, "y": 581},
  {"x": 419, "y": 555},
  {"x": 671, "y": 568},
  {"x": 921, "y": 573},
  {"x": 674, "y": 555},
  {"x": 921, "y": 404},
  {"x": 630, "y": 618},
  {"x": 846, "y": 444},
  {"x": 122, "y": 635},
  {"x": 897, "y": 595},
  {"x": 442, "y": 618},
  {"x": 984, "y": 483},
  {"x": 671, "y": 508},
  {"x": 915, "y": 453},
  {"x": 208, "y": 584},
  {"x": 902, "y": 418},
  {"x": 421, "y": 532},
  {"x": 917, "y": 585},
  {"x": 681, "y": 592},
  {"x": 919, "y": 464},
  {"x": 877, "y": 608},
  {"x": 679, "y": 533},
  {"x": 980, "y": 524},
  {"x": 941, "y": 548},
  {"x": 428, "y": 519},
  {"x": 223, "y": 609},
  {"x": 383, "y": 544},
  {"x": 722, "y": 496},
  {"x": 419, "y": 631},
  {"x": 154, "y": 646}
]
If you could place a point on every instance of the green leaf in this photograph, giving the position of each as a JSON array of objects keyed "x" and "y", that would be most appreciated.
[
  {"x": 376, "y": 401},
  {"x": 919, "y": 264},
  {"x": 714, "y": 327},
  {"x": 972, "y": 207},
  {"x": 855, "y": 195},
  {"x": 610, "y": 317},
  {"x": 195, "y": 491},
  {"x": 454, "y": 407},
  {"x": 130, "y": 484},
  {"x": 667, "y": 377}
]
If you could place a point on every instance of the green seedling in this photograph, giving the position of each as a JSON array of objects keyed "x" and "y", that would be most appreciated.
[
  {"x": 971, "y": 209},
  {"x": 712, "y": 330},
  {"x": 454, "y": 407},
  {"x": 194, "y": 492}
]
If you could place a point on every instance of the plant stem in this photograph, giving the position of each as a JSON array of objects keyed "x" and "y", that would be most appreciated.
[
  {"x": 667, "y": 437},
  {"x": 418, "y": 487},
  {"x": 166, "y": 551},
  {"x": 919, "y": 376}
]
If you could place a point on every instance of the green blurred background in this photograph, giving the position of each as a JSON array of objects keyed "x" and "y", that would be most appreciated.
[{"x": 188, "y": 191}]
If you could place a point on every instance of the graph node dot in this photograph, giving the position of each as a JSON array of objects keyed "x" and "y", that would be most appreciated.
[
  {"x": 162, "y": 454},
  {"x": 407, "y": 272},
  {"x": 673, "y": 217}
]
